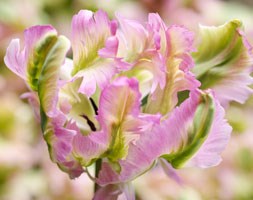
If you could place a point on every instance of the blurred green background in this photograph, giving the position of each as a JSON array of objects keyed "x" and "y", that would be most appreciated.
[{"x": 26, "y": 172}]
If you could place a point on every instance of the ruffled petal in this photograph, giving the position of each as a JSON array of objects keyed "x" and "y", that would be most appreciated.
[
  {"x": 179, "y": 40},
  {"x": 34, "y": 34},
  {"x": 138, "y": 45},
  {"x": 153, "y": 63},
  {"x": 227, "y": 67},
  {"x": 132, "y": 39},
  {"x": 111, "y": 48},
  {"x": 28, "y": 63},
  {"x": 89, "y": 34},
  {"x": 50, "y": 73},
  {"x": 141, "y": 155},
  {"x": 39, "y": 41},
  {"x": 193, "y": 130},
  {"x": 14, "y": 59},
  {"x": 178, "y": 62},
  {"x": 116, "y": 114},
  {"x": 94, "y": 47},
  {"x": 210, "y": 152},
  {"x": 59, "y": 140},
  {"x": 198, "y": 122},
  {"x": 97, "y": 75},
  {"x": 69, "y": 148},
  {"x": 86, "y": 149},
  {"x": 158, "y": 29}
]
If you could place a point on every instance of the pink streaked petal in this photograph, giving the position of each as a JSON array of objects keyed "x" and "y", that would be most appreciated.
[
  {"x": 110, "y": 49},
  {"x": 234, "y": 88},
  {"x": 15, "y": 60},
  {"x": 210, "y": 152},
  {"x": 73, "y": 168},
  {"x": 132, "y": 39},
  {"x": 122, "y": 114},
  {"x": 141, "y": 156},
  {"x": 118, "y": 100},
  {"x": 62, "y": 137},
  {"x": 179, "y": 40},
  {"x": 33, "y": 34},
  {"x": 177, "y": 63},
  {"x": 156, "y": 22},
  {"x": 97, "y": 75},
  {"x": 150, "y": 146},
  {"x": 80, "y": 22},
  {"x": 229, "y": 65},
  {"x": 246, "y": 42},
  {"x": 148, "y": 121},
  {"x": 89, "y": 31},
  {"x": 94, "y": 49},
  {"x": 114, "y": 27},
  {"x": 158, "y": 28},
  {"x": 63, "y": 144},
  {"x": 190, "y": 83},
  {"x": 122, "y": 65},
  {"x": 181, "y": 81},
  {"x": 88, "y": 85},
  {"x": 60, "y": 140},
  {"x": 87, "y": 148},
  {"x": 187, "y": 62},
  {"x": 155, "y": 64},
  {"x": 177, "y": 124}
]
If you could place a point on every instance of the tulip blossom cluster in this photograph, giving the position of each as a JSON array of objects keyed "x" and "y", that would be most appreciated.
[{"x": 133, "y": 95}]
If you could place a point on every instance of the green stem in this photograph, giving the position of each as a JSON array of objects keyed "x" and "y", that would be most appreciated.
[{"x": 97, "y": 169}]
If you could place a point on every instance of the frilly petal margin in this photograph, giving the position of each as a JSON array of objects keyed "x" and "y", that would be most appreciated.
[
  {"x": 26, "y": 63},
  {"x": 15, "y": 60},
  {"x": 138, "y": 46},
  {"x": 133, "y": 39},
  {"x": 94, "y": 47},
  {"x": 195, "y": 129},
  {"x": 209, "y": 153},
  {"x": 71, "y": 150},
  {"x": 200, "y": 138},
  {"x": 59, "y": 141},
  {"x": 178, "y": 62},
  {"x": 49, "y": 77},
  {"x": 226, "y": 69},
  {"x": 119, "y": 107}
]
